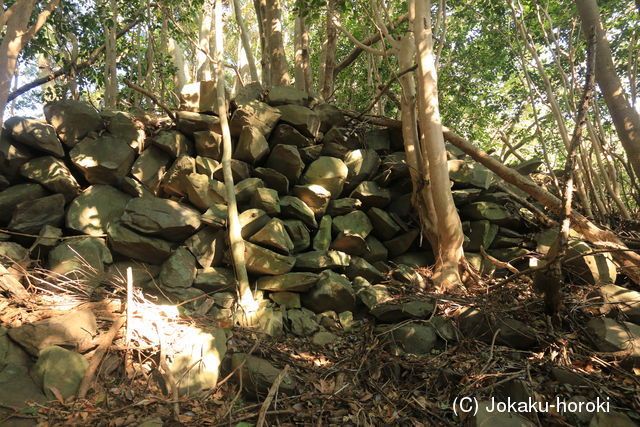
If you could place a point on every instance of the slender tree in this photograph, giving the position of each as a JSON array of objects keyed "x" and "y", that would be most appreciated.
[
  {"x": 625, "y": 118},
  {"x": 246, "y": 43},
  {"x": 279, "y": 67},
  {"x": 17, "y": 33},
  {"x": 448, "y": 226}
]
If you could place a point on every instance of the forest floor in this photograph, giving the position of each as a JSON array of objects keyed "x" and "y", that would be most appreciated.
[{"x": 356, "y": 380}]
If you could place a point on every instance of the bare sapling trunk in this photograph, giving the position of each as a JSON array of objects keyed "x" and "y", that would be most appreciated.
[
  {"x": 17, "y": 33},
  {"x": 330, "y": 56},
  {"x": 279, "y": 67},
  {"x": 203, "y": 66},
  {"x": 625, "y": 118},
  {"x": 263, "y": 30},
  {"x": 246, "y": 300},
  {"x": 110, "y": 71},
  {"x": 421, "y": 198},
  {"x": 246, "y": 43},
  {"x": 449, "y": 228}
]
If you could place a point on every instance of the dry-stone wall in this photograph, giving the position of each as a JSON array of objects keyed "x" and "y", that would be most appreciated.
[{"x": 324, "y": 206}]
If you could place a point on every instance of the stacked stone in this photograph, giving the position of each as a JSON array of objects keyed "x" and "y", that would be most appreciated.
[{"x": 324, "y": 207}]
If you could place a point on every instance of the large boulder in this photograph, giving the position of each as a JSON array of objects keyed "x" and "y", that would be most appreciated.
[
  {"x": 190, "y": 122},
  {"x": 84, "y": 257},
  {"x": 273, "y": 179},
  {"x": 256, "y": 114},
  {"x": 263, "y": 261},
  {"x": 30, "y": 216},
  {"x": 126, "y": 127},
  {"x": 252, "y": 146},
  {"x": 286, "y": 160},
  {"x": 280, "y": 95},
  {"x": 293, "y": 207},
  {"x": 315, "y": 196},
  {"x": 35, "y": 134},
  {"x": 274, "y": 236},
  {"x": 203, "y": 191},
  {"x": 305, "y": 120},
  {"x": 93, "y": 210},
  {"x": 173, "y": 143},
  {"x": 174, "y": 182},
  {"x": 327, "y": 172},
  {"x": 332, "y": 292},
  {"x": 362, "y": 164},
  {"x": 612, "y": 336},
  {"x": 12, "y": 156},
  {"x": 371, "y": 195},
  {"x": 179, "y": 270},
  {"x": 72, "y": 120},
  {"x": 208, "y": 144},
  {"x": 623, "y": 300},
  {"x": 75, "y": 330},
  {"x": 161, "y": 217},
  {"x": 13, "y": 196},
  {"x": 150, "y": 167},
  {"x": 208, "y": 246},
  {"x": 53, "y": 174},
  {"x": 133, "y": 245},
  {"x": 288, "y": 135},
  {"x": 199, "y": 97},
  {"x": 103, "y": 160},
  {"x": 299, "y": 234},
  {"x": 59, "y": 369}
]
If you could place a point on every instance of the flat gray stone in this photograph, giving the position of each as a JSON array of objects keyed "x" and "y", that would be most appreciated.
[
  {"x": 322, "y": 260},
  {"x": 291, "y": 282},
  {"x": 190, "y": 122},
  {"x": 214, "y": 279},
  {"x": 204, "y": 192},
  {"x": 208, "y": 144},
  {"x": 286, "y": 160},
  {"x": 294, "y": 208},
  {"x": 83, "y": 258},
  {"x": 299, "y": 234},
  {"x": 305, "y": 120},
  {"x": 252, "y": 147},
  {"x": 174, "y": 181}
]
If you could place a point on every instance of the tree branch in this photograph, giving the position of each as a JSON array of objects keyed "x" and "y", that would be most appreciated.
[
  {"x": 355, "y": 53},
  {"x": 153, "y": 98},
  {"x": 68, "y": 68}
]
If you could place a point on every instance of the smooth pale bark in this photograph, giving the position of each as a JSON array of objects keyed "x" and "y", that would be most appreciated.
[
  {"x": 246, "y": 44},
  {"x": 599, "y": 238},
  {"x": 246, "y": 300},
  {"x": 301, "y": 59},
  {"x": 625, "y": 118},
  {"x": 110, "y": 71},
  {"x": 17, "y": 34},
  {"x": 330, "y": 56},
  {"x": 181, "y": 77},
  {"x": 263, "y": 29},
  {"x": 242, "y": 75},
  {"x": 279, "y": 67},
  {"x": 449, "y": 228},
  {"x": 421, "y": 198},
  {"x": 203, "y": 65}
]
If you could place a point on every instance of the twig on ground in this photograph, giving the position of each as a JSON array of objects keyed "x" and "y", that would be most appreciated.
[{"x": 272, "y": 392}]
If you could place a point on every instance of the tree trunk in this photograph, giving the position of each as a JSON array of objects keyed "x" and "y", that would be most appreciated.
[
  {"x": 279, "y": 67},
  {"x": 181, "y": 77},
  {"x": 203, "y": 66},
  {"x": 299, "y": 64},
  {"x": 599, "y": 238},
  {"x": 449, "y": 228},
  {"x": 625, "y": 119},
  {"x": 246, "y": 300},
  {"x": 16, "y": 35},
  {"x": 263, "y": 28},
  {"x": 110, "y": 61},
  {"x": 246, "y": 44},
  {"x": 331, "y": 46}
]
